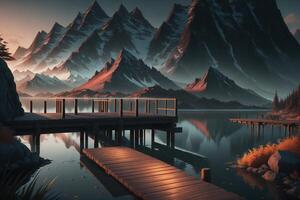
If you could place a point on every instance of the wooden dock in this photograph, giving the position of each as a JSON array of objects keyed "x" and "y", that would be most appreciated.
[
  {"x": 54, "y": 115},
  {"x": 289, "y": 125},
  {"x": 151, "y": 179}
]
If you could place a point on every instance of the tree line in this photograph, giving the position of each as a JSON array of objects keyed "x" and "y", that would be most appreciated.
[{"x": 290, "y": 104}]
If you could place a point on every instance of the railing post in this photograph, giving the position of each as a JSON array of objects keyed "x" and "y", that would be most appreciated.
[
  {"x": 136, "y": 107},
  {"x": 149, "y": 106},
  {"x": 63, "y": 112},
  {"x": 76, "y": 106},
  {"x": 93, "y": 106},
  {"x": 45, "y": 107},
  {"x": 176, "y": 108},
  {"x": 115, "y": 105},
  {"x": 166, "y": 107},
  {"x": 31, "y": 106},
  {"x": 156, "y": 106},
  {"x": 121, "y": 107}
]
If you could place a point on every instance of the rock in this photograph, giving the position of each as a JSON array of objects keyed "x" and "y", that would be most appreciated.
[
  {"x": 269, "y": 176},
  {"x": 294, "y": 191},
  {"x": 17, "y": 155},
  {"x": 284, "y": 162},
  {"x": 10, "y": 106},
  {"x": 263, "y": 169}
]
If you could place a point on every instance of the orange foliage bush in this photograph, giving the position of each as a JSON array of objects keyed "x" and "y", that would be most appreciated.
[{"x": 259, "y": 156}]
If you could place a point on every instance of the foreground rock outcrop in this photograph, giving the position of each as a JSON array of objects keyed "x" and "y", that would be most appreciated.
[{"x": 10, "y": 106}]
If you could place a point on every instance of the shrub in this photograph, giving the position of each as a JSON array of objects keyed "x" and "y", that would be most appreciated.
[{"x": 258, "y": 156}]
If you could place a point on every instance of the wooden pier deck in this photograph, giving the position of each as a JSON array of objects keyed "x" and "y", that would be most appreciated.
[
  {"x": 288, "y": 124},
  {"x": 151, "y": 179},
  {"x": 54, "y": 115}
]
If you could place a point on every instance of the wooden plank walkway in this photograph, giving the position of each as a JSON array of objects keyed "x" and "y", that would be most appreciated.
[{"x": 152, "y": 179}]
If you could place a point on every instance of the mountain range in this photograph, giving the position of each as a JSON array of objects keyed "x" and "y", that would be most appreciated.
[
  {"x": 126, "y": 74},
  {"x": 246, "y": 44}
]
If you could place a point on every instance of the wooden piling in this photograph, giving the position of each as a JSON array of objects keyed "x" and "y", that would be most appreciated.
[{"x": 206, "y": 174}]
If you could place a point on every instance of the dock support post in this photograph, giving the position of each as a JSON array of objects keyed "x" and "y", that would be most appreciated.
[
  {"x": 81, "y": 141},
  {"x": 86, "y": 140},
  {"x": 152, "y": 138},
  {"x": 136, "y": 137},
  {"x": 131, "y": 137},
  {"x": 141, "y": 136},
  {"x": 76, "y": 107},
  {"x": 45, "y": 107},
  {"x": 168, "y": 138},
  {"x": 206, "y": 174},
  {"x": 172, "y": 140},
  {"x": 31, "y": 106},
  {"x": 119, "y": 136}
]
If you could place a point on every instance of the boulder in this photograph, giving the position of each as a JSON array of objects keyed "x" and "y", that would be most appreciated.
[
  {"x": 269, "y": 176},
  {"x": 16, "y": 155},
  {"x": 10, "y": 105},
  {"x": 284, "y": 162}
]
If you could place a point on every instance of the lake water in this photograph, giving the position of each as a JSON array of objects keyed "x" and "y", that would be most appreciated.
[{"x": 208, "y": 140}]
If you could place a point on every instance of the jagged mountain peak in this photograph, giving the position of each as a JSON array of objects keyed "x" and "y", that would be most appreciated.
[
  {"x": 122, "y": 11},
  {"x": 212, "y": 76},
  {"x": 125, "y": 55},
  {"x": 215, "y": 84},
  {"x": 57, "y": 26},
  {"x": 95, "y": 9}
]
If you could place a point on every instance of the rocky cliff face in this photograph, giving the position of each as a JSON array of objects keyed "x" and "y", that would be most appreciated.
[{"x": 10, "y": 106}]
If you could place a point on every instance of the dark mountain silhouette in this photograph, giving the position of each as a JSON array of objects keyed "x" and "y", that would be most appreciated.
[
  {"x": 185, "y": 99},
  {"x": 216, "y": 85},
  {"x": 244, "y": 41}
]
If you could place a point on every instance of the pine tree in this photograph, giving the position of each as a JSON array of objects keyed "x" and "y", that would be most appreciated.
[
  {"x": 276, "y": 103},
  {"x": 4, "y": 53}
]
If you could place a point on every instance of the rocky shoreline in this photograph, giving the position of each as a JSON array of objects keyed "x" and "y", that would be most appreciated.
[{"x": 282, "y": 168}]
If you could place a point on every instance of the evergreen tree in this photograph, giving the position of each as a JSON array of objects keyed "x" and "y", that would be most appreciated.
[
  {"x": 276, "y": 102},
  {"x": 4, "y": 53}
]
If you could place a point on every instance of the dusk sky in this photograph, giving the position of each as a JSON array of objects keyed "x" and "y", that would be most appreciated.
[{"x": 22, "y": 19}]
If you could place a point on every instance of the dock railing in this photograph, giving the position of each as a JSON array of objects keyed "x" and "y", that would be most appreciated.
[{"x": 116, "y": 106}]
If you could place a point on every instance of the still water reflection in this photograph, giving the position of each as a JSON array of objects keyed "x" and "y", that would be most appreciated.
[{"x": 208, "y": 140}]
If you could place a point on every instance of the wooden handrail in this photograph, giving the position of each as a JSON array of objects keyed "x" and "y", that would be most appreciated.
[{"x": 152, "y": 106}]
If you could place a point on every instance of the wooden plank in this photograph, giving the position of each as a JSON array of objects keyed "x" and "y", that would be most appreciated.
[{"x": 151, "y": 179}]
